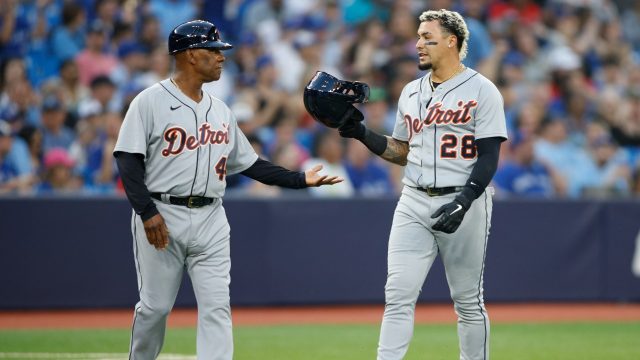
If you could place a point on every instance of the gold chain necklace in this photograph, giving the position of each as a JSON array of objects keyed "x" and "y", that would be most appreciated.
[{"x": 460, "y": 68}]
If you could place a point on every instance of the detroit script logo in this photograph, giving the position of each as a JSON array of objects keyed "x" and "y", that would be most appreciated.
[
  {"x": 178, "y": 140},
  {"x": 437, "y": 115}
]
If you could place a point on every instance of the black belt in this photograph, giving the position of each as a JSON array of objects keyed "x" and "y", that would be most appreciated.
[
  {"x": 440, "y": 191},
  {"x": 188, "y": 201}
]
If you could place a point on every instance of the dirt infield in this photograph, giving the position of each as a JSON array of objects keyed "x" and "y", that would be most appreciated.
[{"x": 369, "y": 314}]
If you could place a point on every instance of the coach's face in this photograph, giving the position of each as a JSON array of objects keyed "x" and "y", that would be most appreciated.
[
  {"x": 208, "y": 63},
  {"x": 432, "y": 44}
]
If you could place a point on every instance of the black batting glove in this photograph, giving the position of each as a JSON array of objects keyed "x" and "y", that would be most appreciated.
[
  {"x": 452, "y": 214},
  {"x": 352, "y": 126}
]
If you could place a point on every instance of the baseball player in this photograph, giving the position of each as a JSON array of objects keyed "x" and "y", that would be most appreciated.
[
  {"x": 449, "y": 127},
  {"x": 176, "y": 146}
]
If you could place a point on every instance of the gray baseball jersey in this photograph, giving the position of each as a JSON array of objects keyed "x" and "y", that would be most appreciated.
[
  {"x": 189, "y": 147},
  {"x": 441, "y": 127}
]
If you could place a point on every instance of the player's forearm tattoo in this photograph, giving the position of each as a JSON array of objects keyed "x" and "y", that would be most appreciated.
[{"x": 396, "y": 151}]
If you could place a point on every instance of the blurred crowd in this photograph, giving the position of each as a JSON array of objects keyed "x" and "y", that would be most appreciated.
[{"x": 568, "y": 70}]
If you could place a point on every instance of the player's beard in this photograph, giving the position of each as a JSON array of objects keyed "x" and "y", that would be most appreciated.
[{"x": 425, "y": 66}]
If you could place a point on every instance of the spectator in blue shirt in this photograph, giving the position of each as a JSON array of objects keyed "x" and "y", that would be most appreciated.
[
  {"x": 24, "y": 26},
  {"x": 55, "y": 134},
  {"x": 524, "y": 176},
  {"x": 567, "y": 158},
  {"x": 170, "y": 13},
  {"x": 369, "y": 178},
  {"x": 15, "y": 166},
  {"x": 480, "y": 42},
  {"x": 612, "y": 171},
  {"x": 68, "y": 40}
]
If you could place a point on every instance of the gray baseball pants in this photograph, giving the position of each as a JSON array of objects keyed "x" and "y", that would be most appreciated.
[
  {"x": 199, "y": 242},
  {"x": 413, "y": 246}
]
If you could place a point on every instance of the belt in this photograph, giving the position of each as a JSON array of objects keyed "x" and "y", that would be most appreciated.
[
  {"x": 188, "y": 201},
  {"x": 440, "y": 191}
]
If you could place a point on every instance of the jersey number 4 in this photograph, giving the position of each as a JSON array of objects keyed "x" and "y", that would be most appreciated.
[
  {"x": 221, "y": 168},
  {"x": 449, "y": 148}
]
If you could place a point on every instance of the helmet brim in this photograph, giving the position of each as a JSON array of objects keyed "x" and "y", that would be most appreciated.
[{"x": 219, "y": 45}]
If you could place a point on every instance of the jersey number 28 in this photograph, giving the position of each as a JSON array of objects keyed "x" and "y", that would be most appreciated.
[{"x": 449, "y": 147}]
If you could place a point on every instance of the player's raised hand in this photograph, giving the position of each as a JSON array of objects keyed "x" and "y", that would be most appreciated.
[
  {"x": 313, "y": 178},
  {"x": 157, "y": 232}
]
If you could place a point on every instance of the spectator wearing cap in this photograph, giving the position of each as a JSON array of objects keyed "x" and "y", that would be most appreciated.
[
  {"x": 54, "y": 133},
  {"x": 522, "y": 175},
  {"x": 58, "y": 177},
  {"x": 133, "y": 61},
  {"x": 612, "y": 174},
  {"x": 16, "y": 173},
  {"x": 93, "y": 61},
  {"x": 68, "y": 39}
]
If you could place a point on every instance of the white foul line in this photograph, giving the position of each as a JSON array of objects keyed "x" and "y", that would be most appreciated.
[{"x": 85, "y": 356}]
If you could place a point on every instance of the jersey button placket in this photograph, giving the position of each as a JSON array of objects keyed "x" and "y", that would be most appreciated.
[{"x": 431, "y": 174}]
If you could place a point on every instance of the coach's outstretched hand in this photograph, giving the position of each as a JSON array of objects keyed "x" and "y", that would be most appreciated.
[
  {"x": 452, "y": 214},
  {"x": 314, "y": 179},
  {"x": 157, "y": 232}
]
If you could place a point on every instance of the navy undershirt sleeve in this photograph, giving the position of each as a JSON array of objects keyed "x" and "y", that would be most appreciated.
[
  {"x": 131, "y": 168},
  {"x": 486, "y": 165},
  {"x": 270, "y": 174}
]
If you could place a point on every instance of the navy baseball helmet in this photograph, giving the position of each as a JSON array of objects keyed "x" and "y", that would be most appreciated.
[
  {"x": 196, "y": 34},
  {"x": 329, "y": 100}
]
